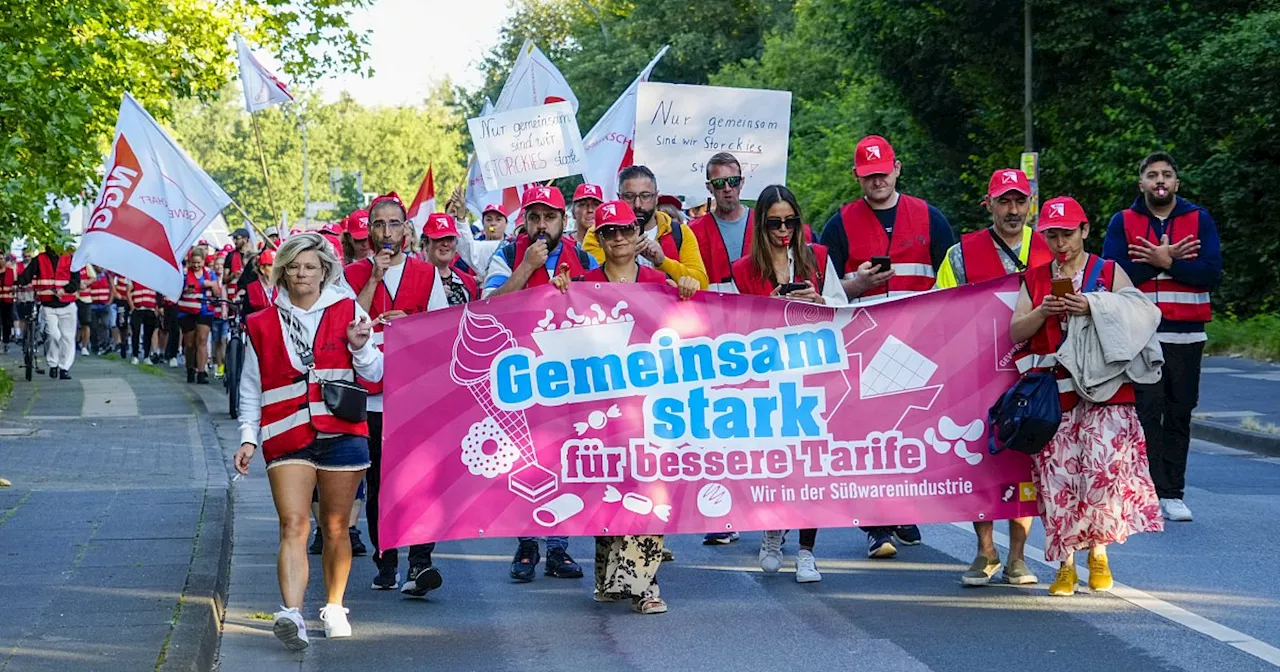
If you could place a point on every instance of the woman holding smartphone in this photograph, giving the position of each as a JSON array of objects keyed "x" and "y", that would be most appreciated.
[{"x": 782, "y": 265}]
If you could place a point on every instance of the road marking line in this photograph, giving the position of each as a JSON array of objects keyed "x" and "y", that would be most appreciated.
[
  {"x": 1211, "y": 415},
  {"x": 1219, "y": 369},
  {"x": 1273, "y": 377},
  {"x": 1234, "y": 638},
  {"x": 107, "y": 397}
]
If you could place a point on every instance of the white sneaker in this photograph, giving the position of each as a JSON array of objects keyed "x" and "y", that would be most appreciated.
[
  {"x": 335, "y": 621},
  {"x": 291, "y": 629},
  {"x": 84, "y": 352},
  {"x": 807, "y": 568},
  {"x": 771, "y": 551},
  {"x": 1175, "y": 510},
  {"x": 173, "y": 363},
  {"x": 134, "y": 361}
]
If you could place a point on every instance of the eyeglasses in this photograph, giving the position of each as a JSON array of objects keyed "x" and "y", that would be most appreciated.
[
  {"x": 642, "y": 197},
  {"x": 615, "y": 232},
  {"x": 296, "y": 269},
  {"x": 776, "y": 223},
  {"x": 733, "y": 182},
  {"x": 379, "y": 224}
]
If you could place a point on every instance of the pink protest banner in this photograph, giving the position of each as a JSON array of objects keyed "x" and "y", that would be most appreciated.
[{"x": 617, "y": 409}]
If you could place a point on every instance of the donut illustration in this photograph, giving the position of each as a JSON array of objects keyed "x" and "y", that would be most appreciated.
[{"x": 487, "y": 450}]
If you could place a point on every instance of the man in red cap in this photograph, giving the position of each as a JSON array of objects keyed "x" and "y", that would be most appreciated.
[
  {"x": 1170, "y": 248},
  {"x": 586, "y": 198},
  {"x": 494, "y": 222},
  {"x": 391, "y": 285},
  {"x": 541, "y": 248},
  {"x": 1009, "y": 245},
  {"x": 539, "y": 252},
  {"x": 914, "y": 235}
]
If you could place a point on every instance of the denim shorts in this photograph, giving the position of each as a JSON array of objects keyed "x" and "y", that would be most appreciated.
[
  {"x": 340, "y": 453},
  {"x": 220, "y": 330}
]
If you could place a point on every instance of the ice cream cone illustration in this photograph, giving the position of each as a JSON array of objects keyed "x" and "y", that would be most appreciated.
[{"x": 480, "y": 339}]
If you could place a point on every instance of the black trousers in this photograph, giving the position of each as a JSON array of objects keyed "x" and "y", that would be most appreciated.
[
  {"x": 419, "y": 554},
  {"x": 1164, "y": 408},
  {"x": 143, "y": 323},
  {"x": 6, "y": 321},
  {"x": 172, "y": 331},
  {"x": 123, "y": 315}
]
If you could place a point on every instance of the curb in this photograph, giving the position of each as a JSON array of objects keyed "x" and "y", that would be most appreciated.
[
  {"x": 1236, "y": 437},
  {"x": 193, "y": 642}
]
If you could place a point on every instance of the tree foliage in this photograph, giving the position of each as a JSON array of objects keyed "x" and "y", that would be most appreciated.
[{"x": 66, "y": 64}]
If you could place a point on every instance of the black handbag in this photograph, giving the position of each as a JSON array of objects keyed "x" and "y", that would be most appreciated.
[{"x": 346, "y": 400}]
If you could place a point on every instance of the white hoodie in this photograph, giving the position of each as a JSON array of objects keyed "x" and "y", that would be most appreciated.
[{"x": 367, "y": 361}]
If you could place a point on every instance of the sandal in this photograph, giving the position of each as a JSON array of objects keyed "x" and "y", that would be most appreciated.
[{"x": 650, "y": 606}]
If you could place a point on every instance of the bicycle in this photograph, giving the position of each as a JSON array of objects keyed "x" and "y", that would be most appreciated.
[
  {"x": 33, "y": 336},
  {"x": 234, "y": 361}
]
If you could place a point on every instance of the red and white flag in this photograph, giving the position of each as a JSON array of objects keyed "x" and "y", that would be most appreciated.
[
  {"x": 534, "y": 80},
  {"x": 610, "y": 142},
  {"x": 424, "y": 203},
  {"x": 154, "y": 203},
  {"x": 262, "y": 88}
]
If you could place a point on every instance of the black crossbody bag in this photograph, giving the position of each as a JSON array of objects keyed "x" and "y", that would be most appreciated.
[{"x": 345, "y": 400}]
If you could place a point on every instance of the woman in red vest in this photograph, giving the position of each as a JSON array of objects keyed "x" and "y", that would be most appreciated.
[
  {"x": 627, "y": 566},
  {"x": 196, "y": 311},
  {"x": 315, "y": 334},
  {"x": 142, "y": 309},
  {"x": 261, "y": 294},
  {"x": 1093, "y": 481},
  {"x": 440, "y": 249}
]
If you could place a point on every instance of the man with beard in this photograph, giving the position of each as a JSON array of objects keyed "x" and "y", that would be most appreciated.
[
  {"x": 669, "y": 246},
  {"x": 1007, "y": 246},
  {"x": 391, "y": 285},
  {"x": 537, "y": 254},
  {"x": 722, "y": 234},
  {"x": 1169, "y": 247}
]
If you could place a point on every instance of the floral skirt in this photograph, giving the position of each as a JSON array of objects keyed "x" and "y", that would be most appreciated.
[
  {"x": 1093, "y": 480},
  {"x": 627, "y": 567}
]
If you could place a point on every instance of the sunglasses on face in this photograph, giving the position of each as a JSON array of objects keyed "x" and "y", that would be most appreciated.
[
  {"x": 733, "y": 182},
  {"x": 616, "y": 232},
  {"x": 776, "y": 223}
]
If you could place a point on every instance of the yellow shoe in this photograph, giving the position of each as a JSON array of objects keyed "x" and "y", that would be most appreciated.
[
  {"x": 1100, "y": 580},
  {"x": 1064, "y": 584}
]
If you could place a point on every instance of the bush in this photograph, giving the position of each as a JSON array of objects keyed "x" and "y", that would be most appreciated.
[{"x": 1257, "y": 337}]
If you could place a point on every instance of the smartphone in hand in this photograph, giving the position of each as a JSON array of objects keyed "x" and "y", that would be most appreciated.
[
  {"x": 788, "y": 287},
  {"x": 880, "y": 264},
  {"x": 1063, "y": 287}
]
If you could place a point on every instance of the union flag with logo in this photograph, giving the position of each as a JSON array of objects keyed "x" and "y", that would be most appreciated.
[{"x": 154, "y": 203}]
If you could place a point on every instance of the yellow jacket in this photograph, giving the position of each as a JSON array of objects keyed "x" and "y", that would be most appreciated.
[
  {"x": 947, "y": 277},
  {"x": 690, "y": 261}
]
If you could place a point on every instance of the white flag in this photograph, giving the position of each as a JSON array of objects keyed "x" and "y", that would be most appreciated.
[
  {"x": 154, "y": 203},
  {"x": 609, "y": 144},
  {"x": 262, "y": 89},
  {"x": 477, "y": 195},
  {"x": 534, "y": 81}
]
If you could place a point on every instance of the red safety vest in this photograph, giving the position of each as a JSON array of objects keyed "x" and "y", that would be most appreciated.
[
  {"x": 191, "y": 301},
  {"x": 293, "y": 410},
  {"x": 261, "y": 297},
  {"x": 8, "y": 280},
  {"x": 568, "y": 257},
  {"x": 749, "y": 280},
  {"x": 646, "y": 274},
  {"x": 1042, "y": 353},
  {"x": 715, "y": 255},
  {"x": 121, "y": 284},
  {"x": 1177, "y": 301},
  {"x": 49, "y": 283},
  {"x": 908, "y": 249},
  {"x": 412, "y": 296},
  {"x": 144, "y": 298},
  {"x": 100, "y": 291},
  {"x": 983, "y": 260}
]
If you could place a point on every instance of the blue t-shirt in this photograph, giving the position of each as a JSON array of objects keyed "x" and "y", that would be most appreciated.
[{"x": 734, "y": 233}]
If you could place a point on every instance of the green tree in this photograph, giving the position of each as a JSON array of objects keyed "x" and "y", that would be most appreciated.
[{"x": 67, "y": 63}]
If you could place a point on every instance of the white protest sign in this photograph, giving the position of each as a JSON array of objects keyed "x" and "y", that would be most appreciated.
[
  {"x": 529, "y": 144},
  {"x": 680, "y": 126}
]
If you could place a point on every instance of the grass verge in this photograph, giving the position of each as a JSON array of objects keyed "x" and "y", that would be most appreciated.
[
  {"x": 6, "y": 388},
  {"x": 1257, "y": 337}
]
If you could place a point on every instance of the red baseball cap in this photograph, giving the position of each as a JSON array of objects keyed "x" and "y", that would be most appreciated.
[
  {"x": 1062, "y": 212},
  {"x": 440, "y": 225},
  {"x": 267, "y": 257},
  {"x": 548, "y": 196},
  {"x": 673, "y": 201},
  {"x": 1006, "y": 180},
  {"x": 585, "y": 190},
  {"x": 493, "y": 207},
  {"x": 358, "y": 224},
  {"x": 614, "y": 213},
  {"x": 874, "y": 156}
]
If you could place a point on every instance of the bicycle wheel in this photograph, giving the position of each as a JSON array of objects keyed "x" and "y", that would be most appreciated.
[
  {"x": 29, "y": 349},
  {"x": 235, "y": 356}
]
